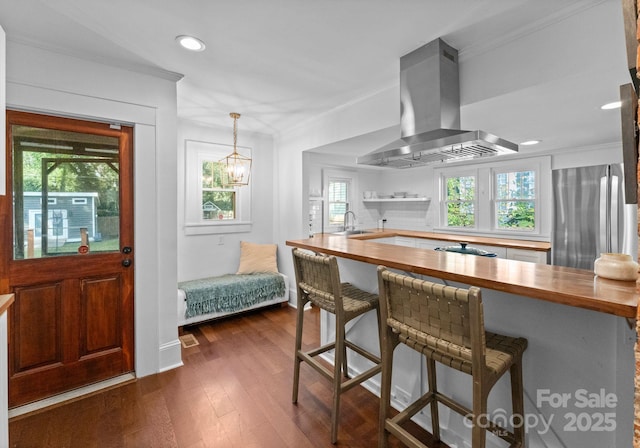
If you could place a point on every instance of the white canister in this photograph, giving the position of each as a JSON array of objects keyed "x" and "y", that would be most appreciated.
[{"x": 616, "y": 267}]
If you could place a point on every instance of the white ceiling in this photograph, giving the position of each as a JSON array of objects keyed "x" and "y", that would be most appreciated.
[{"x": 282, "y": 62}]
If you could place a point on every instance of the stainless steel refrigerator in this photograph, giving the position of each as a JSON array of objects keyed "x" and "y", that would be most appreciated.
[{"x": 590, "y": 216}]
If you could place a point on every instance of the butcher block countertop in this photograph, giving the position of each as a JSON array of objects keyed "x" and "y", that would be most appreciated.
[
  {"x": 5, "y": 301},
  {"x": 489, "y": 241},
  {"x": 567, "y": 286}
]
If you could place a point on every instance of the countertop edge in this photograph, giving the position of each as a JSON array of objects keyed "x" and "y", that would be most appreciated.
[
  {"x": 621, "y": 298},
  {"x": 5, "y": 302}
]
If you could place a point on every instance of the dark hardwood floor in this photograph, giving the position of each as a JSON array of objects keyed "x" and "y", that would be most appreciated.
[{"x": 234, "y": 390}]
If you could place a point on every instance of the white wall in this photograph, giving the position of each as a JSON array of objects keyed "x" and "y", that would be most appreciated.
[
  {"x": 291, "y": 203},
  {"x": 43, "y": 81},
  {"x": 216, "y": 254}
]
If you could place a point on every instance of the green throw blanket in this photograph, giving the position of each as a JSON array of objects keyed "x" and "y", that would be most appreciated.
[{"x": 230, "y": 292}]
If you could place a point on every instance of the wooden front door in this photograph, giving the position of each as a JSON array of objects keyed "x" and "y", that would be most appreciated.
[{"x": 67, "y": 253}]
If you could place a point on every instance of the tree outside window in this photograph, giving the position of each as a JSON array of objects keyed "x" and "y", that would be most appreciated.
[
  {"x": 515, "y": 200},
  {"x": 460, "y": 197},
  {"x": 218, "y": 203}
]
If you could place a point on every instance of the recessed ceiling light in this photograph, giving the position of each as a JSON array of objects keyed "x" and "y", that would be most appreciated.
[
  {"x": 614, "y": 105},
  {"x": 530, "y": 142},
  {"x": 190, "y": 43}
]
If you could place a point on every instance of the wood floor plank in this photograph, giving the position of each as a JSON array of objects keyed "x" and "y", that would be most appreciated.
[{"x": 234, "y": 391}]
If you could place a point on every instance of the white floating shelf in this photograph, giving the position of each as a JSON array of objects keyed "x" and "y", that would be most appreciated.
[{"x": 422, "y": 199}]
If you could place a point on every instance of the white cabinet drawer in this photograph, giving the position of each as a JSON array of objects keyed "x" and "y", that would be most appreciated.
[
  {"x": 424, "y": 243},
  {"x": 500, "y": 252},
  {"x": 387, "y": 240},
  {"x": 532, "y": 256},
  {"x": 406, "y": 242}
]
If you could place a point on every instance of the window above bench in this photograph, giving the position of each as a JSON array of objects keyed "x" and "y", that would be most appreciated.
[{"x": 210, "y": 207}]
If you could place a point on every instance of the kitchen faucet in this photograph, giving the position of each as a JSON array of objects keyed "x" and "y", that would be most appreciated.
[{"x": 353, "y": 221}]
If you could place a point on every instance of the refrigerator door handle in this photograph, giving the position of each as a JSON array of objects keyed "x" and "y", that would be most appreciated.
[
  {"x": 614, "y": 216},
  {"x": 603, "y": 243}
]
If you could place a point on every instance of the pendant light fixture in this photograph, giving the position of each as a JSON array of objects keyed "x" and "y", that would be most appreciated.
[{"x": 237, "y": 167}]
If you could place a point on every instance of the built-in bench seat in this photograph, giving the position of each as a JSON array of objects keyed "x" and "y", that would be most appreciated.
[{"x": 213, "y": 297}]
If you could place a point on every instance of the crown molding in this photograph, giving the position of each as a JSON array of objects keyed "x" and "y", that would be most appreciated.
[
  {"x": 558, "y": 16},
  {"x": 111, "y": 62}
]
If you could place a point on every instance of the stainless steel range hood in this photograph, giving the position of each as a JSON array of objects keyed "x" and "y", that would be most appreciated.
[{"x": 430, "y": 115}]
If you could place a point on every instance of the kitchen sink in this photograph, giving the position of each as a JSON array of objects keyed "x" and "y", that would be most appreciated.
[{"x": 351, "y": 232}]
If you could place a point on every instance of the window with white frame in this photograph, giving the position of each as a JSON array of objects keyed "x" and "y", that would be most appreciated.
[
  {"x": 211, "y": 207},
  {"x": 339, "y": 189},
  {"x": 515, "y": 200},
  {"x": 460, "y": 201},
  {"x": 338, "y": 200},
  {"x": 218, "y": 201},
  {"x": 497, "y": 197}
]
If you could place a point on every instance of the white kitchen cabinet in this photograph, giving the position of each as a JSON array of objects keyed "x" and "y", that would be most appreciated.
[
  {"x": 433, "y": 244},
  {"x": 501, "y": 252},
  {"x": 405, "y": 241},
  {"x": 532, "y": 256},
  {"x": 424, "y": 243},
  {"x": 387, "y": 240}
]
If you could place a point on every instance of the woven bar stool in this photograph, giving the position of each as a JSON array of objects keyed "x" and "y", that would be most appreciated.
[
  {"x": 446, "y": 324},
  {"x": 318, "y": 282}
]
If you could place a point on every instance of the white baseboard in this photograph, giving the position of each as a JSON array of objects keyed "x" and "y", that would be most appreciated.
[{"x": 170, "y": 356}]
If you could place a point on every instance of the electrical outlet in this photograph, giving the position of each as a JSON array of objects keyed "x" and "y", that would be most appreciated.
[{"x": 220, "y": 240}]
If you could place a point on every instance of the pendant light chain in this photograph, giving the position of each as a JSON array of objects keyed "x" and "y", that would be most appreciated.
[{"x": 235, "y": 117}]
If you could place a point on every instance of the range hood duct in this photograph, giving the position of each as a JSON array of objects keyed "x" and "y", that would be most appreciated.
[{"x": 430, "y": 115}]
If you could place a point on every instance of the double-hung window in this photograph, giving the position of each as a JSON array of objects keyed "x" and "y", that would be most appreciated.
[
  {"x": 460, "y": 201},
  {"x": 210, "y": 206},
  {"x": 515, "y": 200},
  {"x": 497, "y": 197},
  {"x": 338, "y": 200},
  {"x": 218, "y": 201},
  {"x": 339, "y": 187}
]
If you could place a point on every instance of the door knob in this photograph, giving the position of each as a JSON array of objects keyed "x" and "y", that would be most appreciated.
[
  {"x": 126, "y": 262},
  {"x": 126, "y": 250}
]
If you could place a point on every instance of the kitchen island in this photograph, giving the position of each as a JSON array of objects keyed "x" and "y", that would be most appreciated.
[{"x": 580, "y": 344}]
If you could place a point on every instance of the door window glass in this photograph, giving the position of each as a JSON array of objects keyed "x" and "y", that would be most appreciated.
[{"x": 72, "y": 179}]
